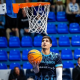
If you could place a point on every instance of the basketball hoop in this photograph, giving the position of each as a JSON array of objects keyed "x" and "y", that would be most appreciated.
[{"x": 37, "y": 17}]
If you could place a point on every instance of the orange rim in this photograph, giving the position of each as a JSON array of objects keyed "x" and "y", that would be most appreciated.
[{"x": 17, "y": 6}]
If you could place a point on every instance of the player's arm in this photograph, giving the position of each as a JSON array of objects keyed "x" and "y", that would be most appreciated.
[
  {"x": 59, "y": 73},
  {"x": 36, "y": 68}
]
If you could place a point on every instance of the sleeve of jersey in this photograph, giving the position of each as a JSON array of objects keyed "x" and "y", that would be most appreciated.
[{"x": 58, "y": 61}]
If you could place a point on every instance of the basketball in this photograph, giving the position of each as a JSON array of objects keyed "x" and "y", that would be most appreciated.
[{"x": 34, "y": 56}]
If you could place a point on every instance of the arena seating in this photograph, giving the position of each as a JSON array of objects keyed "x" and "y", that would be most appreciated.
[
  {"x": 3, "y": 42},
  {"x": 13, "y": 65},
  {"x": 26, "y": 41},
  {"x": 51, "y": 28},
  {"x": 3, "y": 66},
  {"x": 27, "y": 65},
  {"x": 54, "y": 41},
  {"x": 25, "y": 54},
  {"x": 66, "y": 42},
  {"x": 74, "y": 28},
  {"x": 75, "y": 40},
  {"x": 61, "y": 16},
  {"x": 14, "y": 55},
  {"x": 37, "y": 41},
  {"x": 51, "y": 17},
  {"x": 55, "y": 50},
  {"x": 14, "y": 42},
  {"x": 66, "y": 54},
  {"x": 77, "y": 53},
  {"x": 68, "y": 64},
  {"x": 3, "y": 55},
  {"x": 62, "y": 28}
]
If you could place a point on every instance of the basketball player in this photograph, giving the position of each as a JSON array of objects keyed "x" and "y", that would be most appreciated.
[{"x": 50, "y": 67}]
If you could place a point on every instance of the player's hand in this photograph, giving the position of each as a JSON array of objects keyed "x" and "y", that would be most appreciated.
[{"x": 35, "y": 66}]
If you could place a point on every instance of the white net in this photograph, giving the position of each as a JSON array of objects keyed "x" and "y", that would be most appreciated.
[{"x": 37, "y": 17}]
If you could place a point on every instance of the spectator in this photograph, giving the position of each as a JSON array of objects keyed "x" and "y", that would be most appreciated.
[
  {"x": 72, "y": 11},
  {"x": 2, "y": 24},
  {"x": 76, "y": 71},
  {"x": 60, "y": 5},
  {"x": 11, "y": 25},
  {"x": 0, "y": 1},
  {"x": 26, "y": 1},
  {"x": 17, "y": 74},
  {"x": 24, "y": 24},
  {"x": 52, "y": 7}
]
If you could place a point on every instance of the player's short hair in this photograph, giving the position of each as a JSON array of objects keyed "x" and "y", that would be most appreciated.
[
  {"x": 78, "y": 58},
  {"x": 48, "y": 38}
]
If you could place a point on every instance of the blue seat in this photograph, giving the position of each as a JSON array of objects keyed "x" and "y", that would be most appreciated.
[
  {"x": 64, "y": 41},
  {"x": 27, "y": 65},
  {"x": 66, "y": 54},
  {"x": 54, "y": 41},
  {"x": 62, "y": 28},
  {"x": 3, "y": 42},
  {"x": 3, "y": 66},
  {"x": 14, "y": 55},
  {"x": 39, "y": 49},
  {"x": 76, "y": 64},
  {"x": 25, "y": 54},
  {"x": 54, "y": 50},
  {"x": 37, "y": 41},
  {"x": 14, "y": 42},
  {"x": 77, "y": 53},
  {"x": 74, "y": 28},
  {"x": 3, "y": 55},
  {"x": 51, "y": 17},
  {"x": 13, "y": 65},
  {"x": 75, "y": 40},
  {"x": 68, "y": 64},
  {"x": 26, "y": 41},
  {"x": 51, "y": 28},
  {"x": 61, "y": 16}
]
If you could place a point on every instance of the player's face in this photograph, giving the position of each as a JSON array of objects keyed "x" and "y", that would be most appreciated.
[
  {"x": 79, "y": 61},
  {"x": 46, "y": 43}
]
